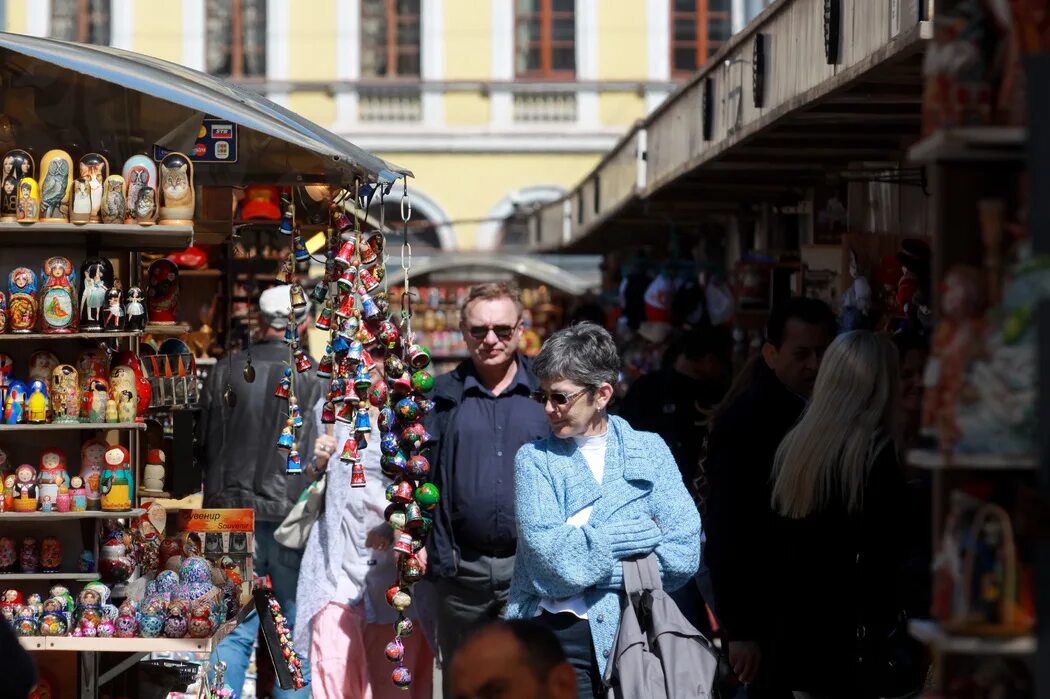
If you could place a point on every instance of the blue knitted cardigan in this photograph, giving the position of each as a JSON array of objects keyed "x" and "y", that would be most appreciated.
[{"x": 640, "y": 506}]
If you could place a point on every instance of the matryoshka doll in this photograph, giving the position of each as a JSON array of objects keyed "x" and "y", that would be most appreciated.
[
  {"x": 53, "y": 478},
  {"x": 163, "y": 292},
  {"x": 116, "y": 485},
  {"x": 96, "y": 278},
  {"x": 80, "y": 211},
  {"x": 176, "y": 189},
  {"x": 28, "y": 201},
  {"x": 17, "y": 165},
  {"x": 92, "y": 459},
  {"x": 25, "y": 489},
  {"x": 42, "y": 364},
  {"x": 3, "y": 313},
  {"x": 77, "y": 494},
  {"x": 95, "y": 401},
  {"x": 127, "y": 375},
  {"x": 14, "y": 406},
  {"x": 140, "y": 177},
  {"x": 56, "y": 182},
  {"x": 94, "y": 169},
  {"x": 7, "y": 366},
  {"x": 21, "y": 300},
  {"x": 58, "y": 299},
  {"x": 50, "y": 554},
  {"x": 135, "y": 310},
  {"x": 114, "y": 202},
  {"x": 37, "y": 403},
  {"x": 65, "y": 394},
  {"x": 92, "y": 363},
  {"x": 8, "y": 561},
  {"x": 113, "y": 314},
  {"x": 127, "y": 406}
]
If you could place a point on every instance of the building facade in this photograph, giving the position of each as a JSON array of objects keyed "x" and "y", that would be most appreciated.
[{"x": 496, "y": 105}]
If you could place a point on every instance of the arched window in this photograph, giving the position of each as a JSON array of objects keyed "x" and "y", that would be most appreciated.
[
  {"x": 428, "y": 226},
  {"x": 507, "y": 225}
]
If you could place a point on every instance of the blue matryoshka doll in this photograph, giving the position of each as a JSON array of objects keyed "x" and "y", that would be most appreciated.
[{"x": 14, "y": 406}]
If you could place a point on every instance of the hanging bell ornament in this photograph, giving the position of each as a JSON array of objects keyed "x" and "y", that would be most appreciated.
[
  {"x": 413, "y": 516},
  {"x": 355, "y": 355},
  {"x": 349, "y": 326},
  {"x": 388, "y": 444},
  {"x": 298, "y": 296},
  {"x": 418, "y": 467},
  {"x": 295, "y": 414},
  {"x": 411, "y": 568},
  {"x": 379, "y": 394},
  {"x": 398, "y": 598},
  {"x": 403, "y": 492},
  {"x": 404, "y": 627},
  {"x": 229, "y": 396},
  {"x": 363, "y": 423},
  {"x": 345, "y": 256},
  {"x": 370, "y": 279},
  {"x": 336, "y": 389},
  {"x": 367, "y": 360},
  {"x": 346, "y": 280},
  {"x": 345, "y": 413},
  {"x": 291, "y": 332},
  {"x": 395, "y": 651},
  {"x": 404, "y": 544},
  {"x": 350, "y": 454},
  {"x": 319, "y": 293},
  {"x": 395, "y": 517},
  {"x": 288, "y": 220},
  {"x": 299, "y": 248},
  {"x": 345, "y": 309},
  {"x": 406, "y": 410},
  {"x": 366, "y": 336},
  {"x": 324, "y": 368},
  {"x": 389, "y": 336},
  {"x": 418, "y": 357},
  {"x": 387, "y": 419},
  {"x": 368, "y": 305},
  {"x": 248, "y": 372},
  {"x": 357, "y": 475},
  {"x": 425, "y": 527},
  {"x": 393, "y": 366},
  {"x": 287, "y": 271},
  {"x": 302, "y": 361},
  {"x": 362, "y": 378},
  {"x": 328, "y": 413},
  {"x": 422, "y": 381},
  {"x": 372, "y": 248},
  {"x": 401, "y": 677},
  {"x": 383, "y": 302},
  {"x": 324, "y": 319},
  {"x": 343, "y": 223},
  {"x": 401, "y": 386},
  {"x": 287, "y": 438},
  {"x": 427, "y": 496},
  {"x": 284, "y": 385},
  {"x": 340, "y": 346},
  {"x": 394, "y": 464},
  {"x": 295, "y": 466}
]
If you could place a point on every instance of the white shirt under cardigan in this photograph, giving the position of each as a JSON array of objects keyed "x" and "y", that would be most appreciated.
[{"x": 593, "y": 451}]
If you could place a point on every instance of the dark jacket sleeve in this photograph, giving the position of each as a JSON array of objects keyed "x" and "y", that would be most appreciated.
[
  {"x": 19, "y": 669},
  {"x": 441, "y": 550}
]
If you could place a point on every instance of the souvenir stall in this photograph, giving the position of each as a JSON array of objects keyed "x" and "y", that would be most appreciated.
[
  {"x": 97, "y": 191},
  {"x": 983, "y": 408}
]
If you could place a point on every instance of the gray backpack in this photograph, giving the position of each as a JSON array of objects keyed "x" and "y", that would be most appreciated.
[{"x": 657, "y": 654}]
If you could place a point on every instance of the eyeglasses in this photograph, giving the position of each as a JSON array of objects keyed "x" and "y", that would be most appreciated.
[
  {"x": 503, "y": 332},
  {"x": 559, "y": 398}
]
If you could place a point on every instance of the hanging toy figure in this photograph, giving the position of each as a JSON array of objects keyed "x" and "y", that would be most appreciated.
[
  {"x": 295, "y": 466},
  {"x": 284, "y": 385},
  {"x": 287, "y": 438}
]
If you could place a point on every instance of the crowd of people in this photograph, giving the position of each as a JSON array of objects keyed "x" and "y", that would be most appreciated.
[{"x": 551, "y": 477}]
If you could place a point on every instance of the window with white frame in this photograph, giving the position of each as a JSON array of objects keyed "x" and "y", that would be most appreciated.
[
  {"x": 83, "y": 21},
  {"x": 235, "y": 38}
]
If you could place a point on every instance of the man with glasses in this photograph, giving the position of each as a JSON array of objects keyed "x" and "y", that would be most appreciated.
[{"x": 483, "y": 413}]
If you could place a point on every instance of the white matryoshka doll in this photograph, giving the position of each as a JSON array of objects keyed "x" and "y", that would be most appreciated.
[
  {"x": 140, "y": 177},
  {"x": 176, "y": 189},
  {"x": 92, "y": 461},
  {"x": 94, "y": 169}
]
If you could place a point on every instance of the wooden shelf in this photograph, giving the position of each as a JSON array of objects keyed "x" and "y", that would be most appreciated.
[
  {"x": 68, "y": 336},
  {"x": 931, "y": 633},
  {"x": 176, "y": 329},
  {"x": 153, "y": 494},
  {"x": 76, "y": 577},
  {"x": 190, "y": 273},
  {"x": 938, "y": 461},
  {"x": 127, "y": 645},
  {"x": 971, "y": 145},
  {"x": 104, "y": 236},
  {"x": 61, "y": 516},
  {"x": 64, "y": 427}
]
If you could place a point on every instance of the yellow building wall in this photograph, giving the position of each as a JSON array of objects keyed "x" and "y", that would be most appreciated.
[
  {"x": 622, "y": 36},
  {"x": 468, "y": 39},
  {"x": 312, "y": 42},
  {"x": 620, "y": 108},
  {"x": 466, "y": 109},
  {"x": 440, "y": 176},
  {"x": 17, "y": 17},
  {"x": 158, "y": 30},
  {"x": 318, "y": 107}
]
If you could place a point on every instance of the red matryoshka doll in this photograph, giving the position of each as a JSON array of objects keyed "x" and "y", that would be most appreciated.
[
  {"x": 3, "y": 312},
  {"x": 116, "y": 484},
  {"x": 58, "y": 297},
  {"x": 176, "y": 188},
  {"x": 53, "y": 471},
  {"x": 28, "y": 201},
  {"x": 92, "y": 363},
  {"x": 56, "y": 183},
  {"x": 17, "y": 164},
  {"x": 95, "y": 401},
  {"x": 162, "y": 295},
  {"x": 92, "y": 459},
  {"x": 25, "y": 491},
  {"x": 136, "y": 380},
  {"x": 65, "y": 394},
  {"x": 140, "y": 177},
  {"x": 94, "y": 169},
  {"x": 21, "y": 300},
  {"x": 41, "y": 365}
]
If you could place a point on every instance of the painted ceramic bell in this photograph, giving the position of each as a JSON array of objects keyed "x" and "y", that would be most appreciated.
[
  {"x": 403, "y": 492},
  {"x": 324, "y": 318},
  {"x": 427, "y": 496},
  {"x": 346, "y": 280},
  {"x": 28, "y": 206},
  {"x": 21, "y": 300},
  {"x": 345, "y": 306},
  {"x": 324, "y": 368},
  {"x": 176, "y": 189},
  {"x": 418, "y": 467},
  {"x": 140, "y": 190},
  {"x": 413, "y": 516},
  {"x": 362, "y": 378},
  {"x": 295, "y": 466},
  {"x": 346, "y": 413},
  {"x": 379, "y": 394},
  {"x": 418, "y": 357},
  {"x": 407, "y": 410},
  {"x": 17, "y": 165},
  {"x": 93, "y": 170},
  {"x": 368, "y": 305},
  {"x": 422, "y": 381},
  {"x": 114, "y": 200},
  {"x": 389, "y": 466},
  {"x": 404, "y": 543},
  {"x": 401, "y": 386},
  {"x": 56, "y": 182},
  {"x": 299, "y": 248},
  {"x": 162, "y": 294},
  {"x": 345, "y": 256},
  {"x": 411, "y": 569},
  {"x": 363, "y": 422},
  {"x": 286, "y": 438},
  {"x": 336, "y": 389},
  {"x": 389, "y": 336},
  {"x": 135, "y": 310},
  {"x": 295, "y": 413},
  {"x": 357, "y": 475},
  {"x": 328, "y": 413},
  {"x": 396, "y": 461},
  {"x": 370, "y": 279},
  {"x": 302, "y": 360},
  {"x": 287, "y": 226},
  {"x": 342, "y": 221},
  {"x": 36, "y": 405},
  {"x": 372, "y": 248},
  {"x": 291, "y": 332},
  {"x": 355, "y": 353},
  {"x": 58, "y": 303},
  {"x": 284, "y": 385},
  {"x": 96, "y": 278}
]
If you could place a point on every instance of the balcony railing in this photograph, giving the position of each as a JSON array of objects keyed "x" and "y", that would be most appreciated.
[
  {"x": 389, "y": 103},
  {"x": 545, "y": 107}
]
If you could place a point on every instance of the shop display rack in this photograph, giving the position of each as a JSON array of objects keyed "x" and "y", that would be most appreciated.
[
  {"x": 73, "y": 426},
  {"x": 934, "y": 635},
  {"x": 118, "y": 237},
  {"x": 930, "y": 459},
  {"x": 96, "y": 336}
]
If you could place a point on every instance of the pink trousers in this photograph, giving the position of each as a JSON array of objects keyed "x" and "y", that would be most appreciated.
[{"x": 347, "y": 657}]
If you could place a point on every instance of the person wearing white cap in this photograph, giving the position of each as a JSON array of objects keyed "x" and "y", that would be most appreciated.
[{"x": 244, "y": 469}]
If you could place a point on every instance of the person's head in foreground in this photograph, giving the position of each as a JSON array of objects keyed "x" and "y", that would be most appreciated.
[
  {"x": 517, "y": 659},
  {"x": 577, "y": 368}
]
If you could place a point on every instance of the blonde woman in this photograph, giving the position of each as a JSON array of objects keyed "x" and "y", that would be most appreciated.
[{"x": 839, "y": 491}]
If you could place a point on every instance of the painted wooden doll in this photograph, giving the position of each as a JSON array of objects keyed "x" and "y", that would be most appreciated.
[
  {"x": 25, "y": 489},
  {"x": 94, "y": 169},
  {"x": 7, "y": 367},
  {"x": 28, "y": 207},
  {"x": 37, "y": 403},
  {"x": 14, "y": 406},
  {"x": 41, "y": 364},
  {"x": 96, "y": 278},
  {"x": 65, "y": 394},
  {"x": 53, "y": 477},
  {"x": 80, "y": 211},
  {"x": 58, "y": 297},
  {"x": 116, "y": 485},
  {"x": 77, "y": 494},
  {"x": 92, "y": 363},
  {"x": 92, "y": 458},
  {"x": 163, "y": 292},
  {"x": 140, "y": 176},
  {"x": 127, "y": 406},
  {"x": 17, "y": 166},
  {"x": 56, "y": 183},
  {"x": 113, "y": 314},
  {"x": 176, "y": 187},
  {"x": 21, "y": 300},
  {"x": 3, "y": 312},
  {"x": 95, "y": 401},
  {"x": 114, "y": 200},
  {"x": 135, "y": 310}
]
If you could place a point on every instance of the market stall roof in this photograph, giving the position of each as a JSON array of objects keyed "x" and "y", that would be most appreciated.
[
  {"x": 58, "y": 94},
  {"x": 572, "y": 274}
]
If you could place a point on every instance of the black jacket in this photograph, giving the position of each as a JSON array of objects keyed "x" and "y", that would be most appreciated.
[
  {"x": 739, "y": 519},
  {"x": 442, "y": 551},
  {"x": 824, "y": 591},
  {"x": 242, "y": 467}
]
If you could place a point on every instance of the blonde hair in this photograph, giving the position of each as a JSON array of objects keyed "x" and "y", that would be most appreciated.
[{"x": 852, "y": 416}]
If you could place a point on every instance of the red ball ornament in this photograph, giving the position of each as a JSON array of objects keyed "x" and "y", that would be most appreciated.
[
  {"x": 395, "y": 651},
  {"x": 401, "y": 677}
]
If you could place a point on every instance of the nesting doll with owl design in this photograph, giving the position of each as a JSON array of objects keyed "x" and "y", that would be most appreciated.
[
  {"x": 94, "y": 169},
  {"x": 28, "y": 207},
  {"x": 114, "y": 201},
  {"x": 21, "y": 300},
  {"x": 58, "y": 298},
  {"x": 176, "y": 189},
  {"x": 17, "y": 165},
  {"x": 56, "y": 184},
  {"x": 140, "y": 177}
]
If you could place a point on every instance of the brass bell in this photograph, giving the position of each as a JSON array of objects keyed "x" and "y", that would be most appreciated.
[
  {"x": 298, "y": 296},
  {"x": 249, "y": 370}
]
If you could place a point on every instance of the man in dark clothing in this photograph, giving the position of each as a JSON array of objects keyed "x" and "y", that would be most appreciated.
[
  {"x": 483, "y": 414},
  {"x": 745, "y": 434},
  {"x": 243, "y": 468}
]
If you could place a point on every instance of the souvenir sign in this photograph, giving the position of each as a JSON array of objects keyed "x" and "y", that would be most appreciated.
[
  {"x": 114, "y": 201},
  {"x": 140, "y": 176},
  {"x": 96, "y": 278},
  {"x": 94, "y": 170},
  {"x": 176, "y": 187},
  {"x": 65, "y": 394},
  {"x": 163, "y": 293},
  {"x": 56, "y": 182},
  {"x": 17, "y": 165},
  {"x": 28, "y": 210},
  {"x": 21, "y": 301},
  {"x": 58, "y": 302}
]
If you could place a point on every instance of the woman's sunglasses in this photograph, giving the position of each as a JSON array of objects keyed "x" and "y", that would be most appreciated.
[
  {"x": 557, "y": 397},
  {"x": 503, "y": 332}
]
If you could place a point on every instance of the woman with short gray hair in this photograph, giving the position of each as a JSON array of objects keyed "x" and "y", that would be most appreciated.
[{"x": 590, "y": 495}]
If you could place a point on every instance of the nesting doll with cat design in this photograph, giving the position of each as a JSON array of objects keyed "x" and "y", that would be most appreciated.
[
  {"x": 94, "y": 170},
  {"x": 56, "y": 185},
  {"x": 176, "y": 189}
]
